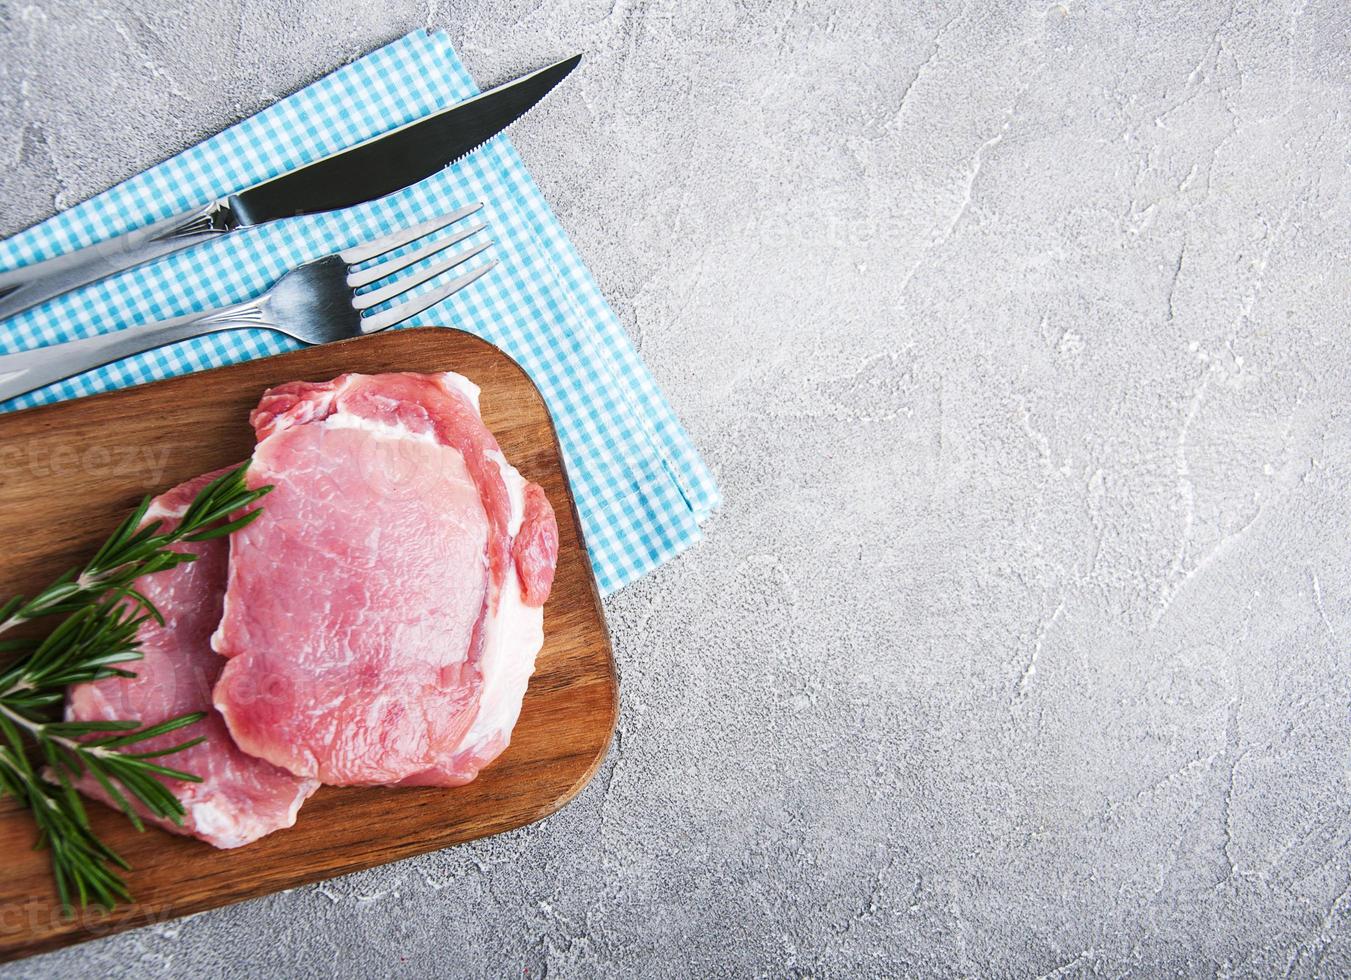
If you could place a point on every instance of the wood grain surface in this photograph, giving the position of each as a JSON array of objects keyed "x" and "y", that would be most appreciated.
[{"x": 70, "y": 472}]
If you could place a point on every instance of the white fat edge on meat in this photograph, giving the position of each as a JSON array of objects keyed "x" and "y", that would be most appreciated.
[
  {"x": 513, "y": 635},
  {"x": 449, "y": 381},
  {"x": 219, "y": 825},
  {"x": 515, "y": 490},
  {"x": 387, "y": 430},
  {"x": 158, "y": 512},
  {"x": 217, "y": 819}
]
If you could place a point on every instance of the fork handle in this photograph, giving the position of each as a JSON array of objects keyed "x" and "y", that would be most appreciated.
[
  {"x": 26, "y": 287},
  {"x": 28, "y": 370}
]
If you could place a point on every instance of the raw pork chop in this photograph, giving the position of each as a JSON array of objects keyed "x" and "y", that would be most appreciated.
[
  {"x": 240, "y": 798},
  {"x": 383, "y": 615}
]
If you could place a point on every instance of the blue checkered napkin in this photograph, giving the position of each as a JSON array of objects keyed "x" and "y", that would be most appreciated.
[{"x": 641, "y": 489}]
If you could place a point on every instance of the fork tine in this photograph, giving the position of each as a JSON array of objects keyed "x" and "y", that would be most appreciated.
[
  {"x": 364, "y": 301},
  {"x": 369, "y": 250},
  {"x": 390, "y": 266},
  {"x": 397, "y": 314}
]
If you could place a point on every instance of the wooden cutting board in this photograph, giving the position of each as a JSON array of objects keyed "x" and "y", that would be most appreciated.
[{"x": 70, "y": 472}]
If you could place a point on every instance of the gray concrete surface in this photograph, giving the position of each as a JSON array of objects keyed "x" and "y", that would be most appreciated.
[{"x": 1017, "y": 335}]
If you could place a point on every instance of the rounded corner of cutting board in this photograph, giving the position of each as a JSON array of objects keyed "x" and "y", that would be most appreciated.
[{"x": 117, "y": 446}]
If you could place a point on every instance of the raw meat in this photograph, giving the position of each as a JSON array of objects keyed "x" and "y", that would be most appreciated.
[
  {"x": 383, "y": 615},
  {"x": 240, "y": 798}
]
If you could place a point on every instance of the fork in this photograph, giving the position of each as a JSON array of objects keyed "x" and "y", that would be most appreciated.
[{"x": 327, "y": 299}]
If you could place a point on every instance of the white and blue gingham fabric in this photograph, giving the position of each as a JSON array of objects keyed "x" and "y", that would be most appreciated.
[{"x": 641, "y": 489}]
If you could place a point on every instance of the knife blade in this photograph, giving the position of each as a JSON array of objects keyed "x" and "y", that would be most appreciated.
[{"x": 364, "y": 172}]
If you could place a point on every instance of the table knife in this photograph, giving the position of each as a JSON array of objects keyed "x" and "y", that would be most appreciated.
[{"x": 361, "y": 173}]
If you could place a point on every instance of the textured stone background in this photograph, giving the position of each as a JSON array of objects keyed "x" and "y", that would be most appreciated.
[{"x": 1018, "y": 337}]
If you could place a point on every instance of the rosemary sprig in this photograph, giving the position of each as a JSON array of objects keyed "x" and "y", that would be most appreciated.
[{"x": 100, "y": 613}]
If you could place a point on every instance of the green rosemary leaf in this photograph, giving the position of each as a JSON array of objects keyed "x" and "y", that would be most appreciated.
[
  {"x": 154, "y": 731},
  {"x": 158, "y": 753},
  {"x": 224, "y": 529},
  {"x": 141, "y": 763}
]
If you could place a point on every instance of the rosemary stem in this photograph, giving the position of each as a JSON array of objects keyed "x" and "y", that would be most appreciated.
[
  {"x": 39, "y": 731},
  {"x": 18, "y": 687}
]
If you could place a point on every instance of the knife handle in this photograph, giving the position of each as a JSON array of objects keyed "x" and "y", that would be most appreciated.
[
  {"x": 26, "y": 287},
  {"x": 32, "y": 369}
]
